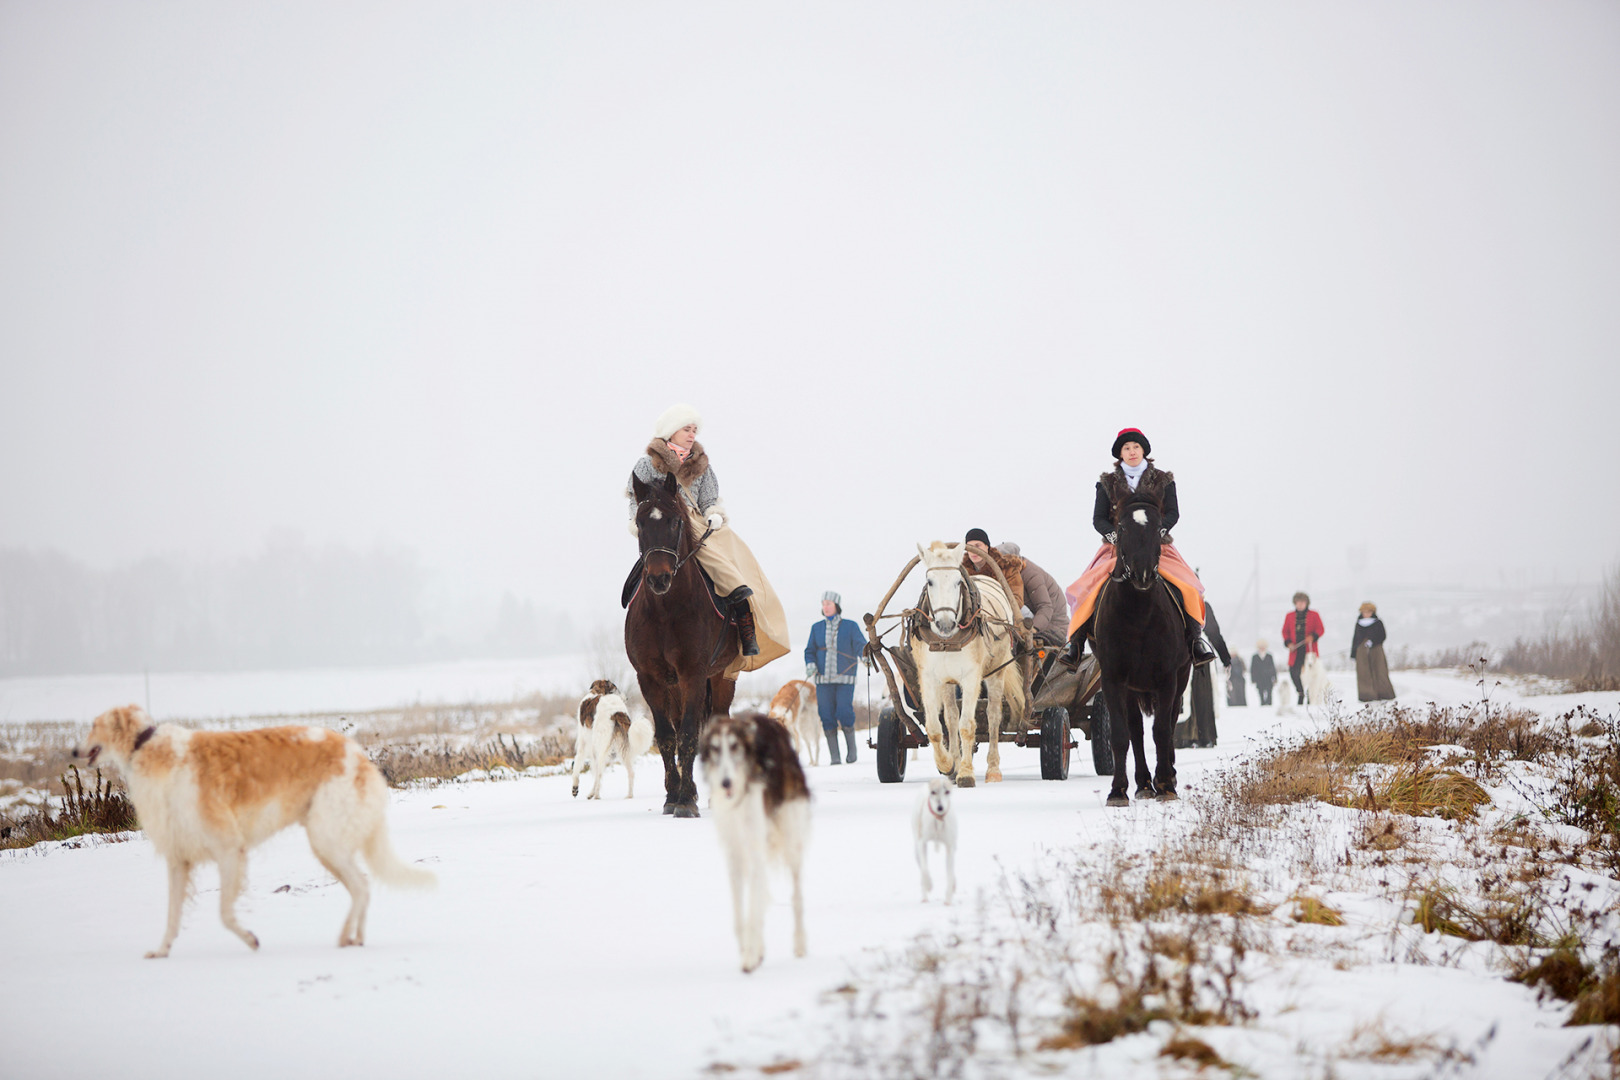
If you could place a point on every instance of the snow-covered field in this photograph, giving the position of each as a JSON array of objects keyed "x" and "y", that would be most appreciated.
[{"x": 570, "y": 937}]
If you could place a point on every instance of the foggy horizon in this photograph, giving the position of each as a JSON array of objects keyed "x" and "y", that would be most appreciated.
[{"x": 417, "y": 280}]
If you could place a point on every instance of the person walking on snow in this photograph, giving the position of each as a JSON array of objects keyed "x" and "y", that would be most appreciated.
[
  {"x": 1302, "y": 629},
  {"x": 1135, "y": 474},
  {"x": 829, "y": 661},
  {"x": 752, "y": 604},
  {"x": 1367, "y": 649},
  {"x": 1263, "y": 670}
]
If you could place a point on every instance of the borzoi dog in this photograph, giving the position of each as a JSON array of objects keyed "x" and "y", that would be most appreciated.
[
  {"x": 762, "y": 811},
  {"x": 213, "y": 796},
  {"x": 605, "y": 729},
  {"x": 794, "y": 707},
  {"x": 934, "y": 823},
  {"x": 1318, "y": 688}
]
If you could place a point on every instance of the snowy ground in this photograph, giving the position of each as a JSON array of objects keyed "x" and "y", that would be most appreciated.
[{"x": 574, "y": 937}]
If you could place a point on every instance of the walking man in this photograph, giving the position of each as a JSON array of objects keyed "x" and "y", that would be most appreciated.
[{"x": 835, "y": 644}]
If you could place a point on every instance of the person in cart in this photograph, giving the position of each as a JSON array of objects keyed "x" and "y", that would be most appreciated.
[
  {"x": 1043, "y": 598},
  {"x": 1134, "y": 473}
]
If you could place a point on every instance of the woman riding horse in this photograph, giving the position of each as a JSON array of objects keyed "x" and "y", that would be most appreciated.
[
  {"x": 674, "y": 450},
  {"x": 1134, "y": 474}
]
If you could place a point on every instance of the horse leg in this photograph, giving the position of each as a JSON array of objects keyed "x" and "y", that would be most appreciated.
[
  {"x": 965, "y": 724},
  {"x": 932, "y": 703},
  {"x": 1144, "y": 778},
  {"x": 693, "y": 716},
  {"x": 1119, "y": 738},
  {"x": 654, "y": 692},
  {"x": 992, "y": 714},
  {"x": 1164, "y": 743},
  {"x": 721, "y": 692}
]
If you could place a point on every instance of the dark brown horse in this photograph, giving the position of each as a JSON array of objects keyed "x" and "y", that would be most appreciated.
[
  {"x": 1141, "y": 648},
  {"x": 677, "y": 639}
]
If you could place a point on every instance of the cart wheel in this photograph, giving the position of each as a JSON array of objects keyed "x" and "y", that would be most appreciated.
[
  {"x": 1055, "y": 743},
  {"x": 1102, "y": 745},
  {"x": 891, "y": 756}
]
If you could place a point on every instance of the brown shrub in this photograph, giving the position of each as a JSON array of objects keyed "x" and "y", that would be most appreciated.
[
  {"x": 1599, "y": 1000},
  {"x": 1184, "y": 1047},
  {"x": 1308, "y": 909}
]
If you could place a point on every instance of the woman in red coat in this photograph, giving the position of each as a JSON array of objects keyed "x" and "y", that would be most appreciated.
[{"x": 1302, "y": 627}]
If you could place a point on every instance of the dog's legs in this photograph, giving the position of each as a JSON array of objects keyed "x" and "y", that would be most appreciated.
[
  {"x": 950, "y": 868},
  {"x": 734, "y": 868},
  {"x": 179, "y": 882},
  {"x": 343, "y": 867},
  {"x": 922, "y": 865},
  {"x": 757, "y": 895},
  {"x": 232, "y": 871},
  {"x": 630, "y": 774},
  {"x": 799, "y": 947},
  {"x": 580, "y": 755}
]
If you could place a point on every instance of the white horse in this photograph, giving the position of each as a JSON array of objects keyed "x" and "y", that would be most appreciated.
[{"x": 978, "y": 653}]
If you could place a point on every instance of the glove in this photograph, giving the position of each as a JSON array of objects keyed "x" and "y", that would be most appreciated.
[
  {"x": 810, "y": 672},
  {"x": 1164, "y": 534},
  {"x": 716, "y": 519},
  {"x": 1111, "y": 538}
]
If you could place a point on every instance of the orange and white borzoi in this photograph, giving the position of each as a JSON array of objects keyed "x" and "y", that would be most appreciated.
[
  {"x": 794, "y": 707},
  {"x": 605, "y": 729},
  {"x": 761, "y": 810},
  {"x": 213, "y": 796}
]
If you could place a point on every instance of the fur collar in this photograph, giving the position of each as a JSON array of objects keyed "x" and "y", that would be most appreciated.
[
  {"x": 1150, "y": 486},
  {"x": 686, "y": 472}
]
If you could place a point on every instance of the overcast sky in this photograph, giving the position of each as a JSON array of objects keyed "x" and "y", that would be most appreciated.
[{"x": 423, "y": 275}]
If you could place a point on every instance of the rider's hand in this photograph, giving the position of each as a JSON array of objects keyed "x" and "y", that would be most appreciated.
[
  {"x": 1164, "y": 534},
  {"x": 1111, "y": 538},
  {"x": 716, "y": 519}
]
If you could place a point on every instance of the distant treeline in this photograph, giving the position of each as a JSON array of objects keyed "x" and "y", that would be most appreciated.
[{"x": 292, "y": 605}]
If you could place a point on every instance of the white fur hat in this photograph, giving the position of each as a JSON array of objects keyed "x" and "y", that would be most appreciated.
[{"x": 674, "y": 418}]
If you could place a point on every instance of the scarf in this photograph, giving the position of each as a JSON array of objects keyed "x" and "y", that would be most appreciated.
[
  {"x": 1368, "y": 621},
  {"x": 681, "y": 452},
  {"x": 1133, "y": 473}
]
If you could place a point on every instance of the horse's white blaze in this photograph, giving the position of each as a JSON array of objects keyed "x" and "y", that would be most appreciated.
[
  {"x": 1139, "y": 516},
  {"x": 658, "y": 515}
]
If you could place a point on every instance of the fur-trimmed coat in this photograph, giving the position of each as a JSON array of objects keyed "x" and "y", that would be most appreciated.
[
  {"x": 698, "y": 483},
  {"x": 1045, "y": 600},
  {"x": 1012, "y": 568},
  {"x": 1113, "y": 489}
]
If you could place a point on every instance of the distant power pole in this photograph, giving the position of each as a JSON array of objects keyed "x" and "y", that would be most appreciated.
[
  {"x": 1257, "y": 592},
  {"x": 148, "y": 673}
]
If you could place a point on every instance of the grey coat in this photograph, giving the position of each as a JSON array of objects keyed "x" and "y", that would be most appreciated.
[
  {"x": 698, "y": 484},
  {"x": 1045, "y": 600}
]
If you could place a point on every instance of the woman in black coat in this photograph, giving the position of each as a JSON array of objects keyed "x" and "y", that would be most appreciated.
[
  {"x": 1263, "y": 670},
  {"x": 1367, "y": 647}
]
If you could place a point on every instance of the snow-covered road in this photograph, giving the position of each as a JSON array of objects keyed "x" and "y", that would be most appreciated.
[{"x": 567, "y": 937}]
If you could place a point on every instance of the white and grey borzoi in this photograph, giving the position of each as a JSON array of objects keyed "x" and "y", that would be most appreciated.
[
  {"x": 605, "y": 729},
  {"x": 761, "y": 810},
  {"x": 934, "y": 822}
]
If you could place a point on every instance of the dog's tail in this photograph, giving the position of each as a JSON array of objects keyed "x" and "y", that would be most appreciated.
[{"x": 389, "y": 868}]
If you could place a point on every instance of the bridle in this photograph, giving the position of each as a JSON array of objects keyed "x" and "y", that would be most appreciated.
[
  {"x": 680, "y": 560},
  {"x": 966, "y": 596}
]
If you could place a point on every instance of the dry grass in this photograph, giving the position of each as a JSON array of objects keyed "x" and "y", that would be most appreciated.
[
  {"x": 1599, "y": 999},
  {"x": 1309, "y": 909},
  {"x": 103, "y": 807},
  {"x": 1185, "y": 1048},
  {"x": 413, "y": 763},
  {"x": 1509, "y": 918}
]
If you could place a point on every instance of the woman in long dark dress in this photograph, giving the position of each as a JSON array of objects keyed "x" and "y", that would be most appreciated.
[{"x": 1367, "y": 646}]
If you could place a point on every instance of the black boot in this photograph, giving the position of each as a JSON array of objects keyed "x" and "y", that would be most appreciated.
[
  {"x": 849, "y": 741},
  {"x": 1070, "y": 657},
  {"x": 742, "y": 613},
  {"x": 832, "y": 746},
  {"x": 1202, "y": 651}
]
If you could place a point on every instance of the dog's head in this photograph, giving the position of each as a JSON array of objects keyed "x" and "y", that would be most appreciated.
[
  {"x": 938, "y": 797},
  {"x": 114, "y": 732},
  {"x": 728, "y": 757}
]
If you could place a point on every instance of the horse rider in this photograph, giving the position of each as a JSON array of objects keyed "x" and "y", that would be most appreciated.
[
  {"x": 750, "y": 601},
  {"x": 1134, "y": 473},
  {"x": 1043, "y": 597}
]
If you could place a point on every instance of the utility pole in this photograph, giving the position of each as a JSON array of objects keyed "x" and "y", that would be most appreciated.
[{"x": 148, "y": 673}]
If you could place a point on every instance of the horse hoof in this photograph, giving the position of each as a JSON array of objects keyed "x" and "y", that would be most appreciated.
[
  {"x": 964, "y": 781},
  {"x": 1119, "y": 798},
  {"x": 1147, "y": 791},
  {"x": 669, "y": 808},
  {"x": 1168, "y": 795},
  {"x": 993, "y": 776},
  {"x": 686, "y": 810}
]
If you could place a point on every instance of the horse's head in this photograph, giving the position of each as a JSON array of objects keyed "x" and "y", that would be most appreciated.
[
  {"x": 946, "y": 587},
  {"x": 661, "y": 527},
  {"x": 1136, "y": 549}
]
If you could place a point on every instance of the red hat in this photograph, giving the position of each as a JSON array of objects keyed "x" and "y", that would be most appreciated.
[{"x": 1134, "y": 435}]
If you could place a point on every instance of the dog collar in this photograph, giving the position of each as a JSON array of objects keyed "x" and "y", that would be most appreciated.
[
  {"x": 140, "y": 740},
  {"x": 937, "y": 817}
]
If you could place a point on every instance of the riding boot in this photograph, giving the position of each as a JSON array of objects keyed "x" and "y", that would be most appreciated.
[
  {"x": 832, "y": 746},
  {"x": 1202, "y": 651},
  {"x": 1070, "y": 657},
  {"x": 742, "y": 613},
  {"x": 849, "y": 741}
]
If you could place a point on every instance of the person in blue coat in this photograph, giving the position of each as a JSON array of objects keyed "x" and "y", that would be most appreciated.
[{"x": 835, "y": 644}]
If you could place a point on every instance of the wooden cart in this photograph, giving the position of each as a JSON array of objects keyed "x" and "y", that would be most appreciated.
[{"x": 1057, "y": 700}]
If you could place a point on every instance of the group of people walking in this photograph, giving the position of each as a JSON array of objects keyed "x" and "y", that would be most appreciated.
[
  {"x": 1058, "y": 616},
  {"x": 1302, "y": 629}
]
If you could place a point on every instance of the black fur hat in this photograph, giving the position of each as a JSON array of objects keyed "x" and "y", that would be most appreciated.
[
  {"x": 1134, "y": 435},
  {"x": 977, "y": 534}
]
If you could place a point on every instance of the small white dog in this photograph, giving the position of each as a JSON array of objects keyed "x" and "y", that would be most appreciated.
[
  {"x": 761, "y": 810},
  {"x": 794, "y": 707},
  {"x": 934, "y": 823},
  {"x": 1318, "y": 688},
  {"x": 605, "y": 729},
  {"x": 213, "y": 796}
]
